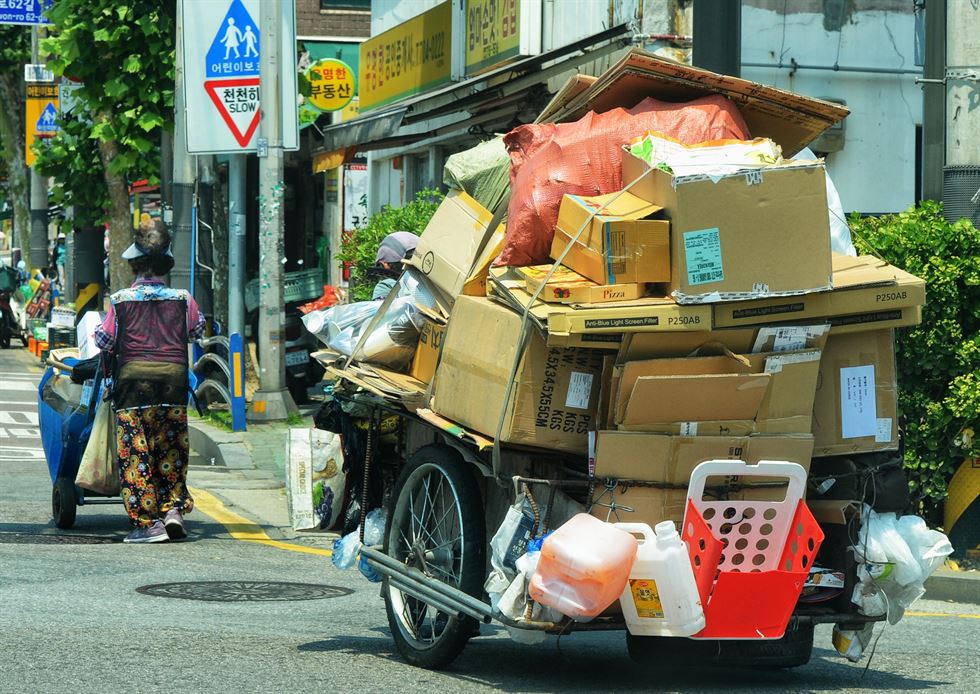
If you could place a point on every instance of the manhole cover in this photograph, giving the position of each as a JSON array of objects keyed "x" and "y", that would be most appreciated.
[
  {"x": 243, "y": 591},
  {"x": 36, "y": 539}
]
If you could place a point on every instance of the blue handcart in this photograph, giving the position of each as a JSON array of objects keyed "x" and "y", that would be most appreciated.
[{"x": 66, "y": 400}]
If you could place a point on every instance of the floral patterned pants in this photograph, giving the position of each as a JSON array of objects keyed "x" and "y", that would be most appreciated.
[{"x": 152, "y": 446}]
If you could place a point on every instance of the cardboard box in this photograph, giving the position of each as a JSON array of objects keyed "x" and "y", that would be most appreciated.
[
  {"x": 620, "y": 245},
  {"x": 747, "y": 235},
  {"x": 856, "y": 405},
  {"x": 609, "y": 342},
  {"x": 737, "y": 394},
  {"x": 568, "y": 287},
  {"x": 650, "y": 314},
  {"x": 452, "y": 246},
  {"x": 876, "y": 320},
  {"x": 865, "y": 288},
  {"x": 556, "y": 390},
  {"x": 636, "y": 346},
  {"x": 669, "y": 460},
  {"x": 427, "y": 353}
]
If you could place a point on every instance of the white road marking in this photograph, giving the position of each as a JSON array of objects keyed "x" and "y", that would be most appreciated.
[
  {"x": 20, "y": 433},
  {"x": 18, "y": 417},
  {"x": 12, "y": 385},
  {"x": 22, "y": 454}
]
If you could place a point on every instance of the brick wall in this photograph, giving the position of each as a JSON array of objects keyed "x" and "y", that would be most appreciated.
[{"x": 312, "y": 21}]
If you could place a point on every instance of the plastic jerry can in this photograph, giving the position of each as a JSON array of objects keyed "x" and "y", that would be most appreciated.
[
  {"x": 583, "y": 567},
  {"x": 661, "y": 596}
]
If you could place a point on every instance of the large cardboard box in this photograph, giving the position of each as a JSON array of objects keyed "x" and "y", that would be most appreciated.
[
  {"x": 669, "y": 461},
  {"x": 620, "y": 245},
  {"x": 866, "y": 292},
  {"x": 784, "y": 338},
  {"x": 746, "y": 235},
  {"x": 451, "y": 250},
  {"x": 735, "y": 394},
  {"x": 556, "y": 391},
  {"x": 856, "y": 405}
]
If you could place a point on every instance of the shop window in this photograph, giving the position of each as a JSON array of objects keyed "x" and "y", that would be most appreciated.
[{"x": 345, "y": 5}]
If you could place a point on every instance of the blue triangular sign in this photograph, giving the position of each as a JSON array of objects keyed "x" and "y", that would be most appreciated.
[
  {"x": 235, "y": 49},
  {"x": 47, "y": 122}
]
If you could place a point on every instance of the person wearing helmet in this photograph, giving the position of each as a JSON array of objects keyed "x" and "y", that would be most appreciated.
[
  {"x": 146, "y": 331},
  {"x": 389, "y": 261}
]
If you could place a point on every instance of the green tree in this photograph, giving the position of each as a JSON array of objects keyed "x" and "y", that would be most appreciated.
[
  {"x": 123, "y": 53},
  {"x": 938, "y": 360},
  {"x": 15, "y": 51}
]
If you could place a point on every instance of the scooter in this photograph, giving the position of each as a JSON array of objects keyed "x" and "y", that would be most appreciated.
[{"x": 9, "y": 325}]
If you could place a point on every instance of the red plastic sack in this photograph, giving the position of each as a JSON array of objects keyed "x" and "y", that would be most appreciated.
[{"x": 585, "y": 158}]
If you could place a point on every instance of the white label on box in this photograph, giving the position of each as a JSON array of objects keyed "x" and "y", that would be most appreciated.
[
  {"x": 592, "y": 442},
  {"x": 775, "y": 363},
  {"x": 702, "y": 252},
  {"x": 884, "y": 433},
  {"x": 858, "y": 410},
  {"x": 689, "y": 428},
  {"x": 579, "y": 390}
]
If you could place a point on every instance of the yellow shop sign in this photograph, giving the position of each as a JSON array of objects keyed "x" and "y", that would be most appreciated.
[
  {"x": 407, "y": 59},
  {"x": 492, "y": 33}
]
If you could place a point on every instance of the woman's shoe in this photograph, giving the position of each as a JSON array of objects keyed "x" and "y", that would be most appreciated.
[
  {"x": 150, "y": 533},
  {"x": 174, "y": 525}
]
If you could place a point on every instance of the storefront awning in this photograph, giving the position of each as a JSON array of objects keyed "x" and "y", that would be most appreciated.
[{"x": 385, "y": 127}]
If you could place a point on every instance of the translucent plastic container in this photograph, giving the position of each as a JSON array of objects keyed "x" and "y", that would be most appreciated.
[
  {"x": 661, "y": 597},
  {"x": 583, "y": 567}
]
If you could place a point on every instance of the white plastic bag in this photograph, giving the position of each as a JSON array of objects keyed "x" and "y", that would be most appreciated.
[{"x": 346, "y": 548}]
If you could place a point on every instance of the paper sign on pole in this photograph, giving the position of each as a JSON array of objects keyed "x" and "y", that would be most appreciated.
[{"x": 222, "y": 47}]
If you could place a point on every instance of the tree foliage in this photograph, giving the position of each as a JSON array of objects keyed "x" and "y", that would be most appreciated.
[
  {"x": 360, "y": 248},
  {"x": 939, "y": 360},
  {"x": 123, "y": 54}
]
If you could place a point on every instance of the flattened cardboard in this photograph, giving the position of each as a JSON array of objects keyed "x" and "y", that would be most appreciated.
[
  {"x": 569, "y": 287},
  {"x": 650, "y": 314},
  {"x": 637, "y": 346},
  {"x": 669, "y": 460},
  {"x": 719, "y": 396},
  {"x": 451, "y": 243},
  {"x": 864, "y": 287},
  {"x": 746, "y": 235},
  {"x": 610, "y": 342},
  {"x": 792, "y": 120},
  {"x": 620, "y": 245},
  {"x": 876, "y": 320},
  {"x": 556, "y": 390},
  {"x": 875, "y": 348}
]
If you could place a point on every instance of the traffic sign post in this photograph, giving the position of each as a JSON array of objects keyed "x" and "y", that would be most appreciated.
[
  {"x": 41, "y": 113},
  {"x": 222, "y": 47},
  {"x": 25, "y": 12}
]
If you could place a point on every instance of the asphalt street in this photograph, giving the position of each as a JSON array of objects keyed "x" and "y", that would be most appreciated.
[{"x": 72, "y": 618}]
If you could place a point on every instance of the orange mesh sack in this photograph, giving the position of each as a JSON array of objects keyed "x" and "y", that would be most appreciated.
[{"x": 585, "y": 158}]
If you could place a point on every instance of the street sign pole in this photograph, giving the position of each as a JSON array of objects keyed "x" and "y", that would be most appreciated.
[
  {"x": 272, "y": 401},
  {"x": 38, "y": 256}
]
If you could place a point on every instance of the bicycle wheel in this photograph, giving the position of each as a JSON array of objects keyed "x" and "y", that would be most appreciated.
[{"x": 437, "y": 526}]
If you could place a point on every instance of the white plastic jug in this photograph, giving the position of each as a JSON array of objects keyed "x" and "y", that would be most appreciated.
[
  {"x": 661, "y": 596},
  {"x": 583, "y": 567}
]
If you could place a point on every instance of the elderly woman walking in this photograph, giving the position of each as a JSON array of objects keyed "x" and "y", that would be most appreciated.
[{"x": 146, "y": 330}]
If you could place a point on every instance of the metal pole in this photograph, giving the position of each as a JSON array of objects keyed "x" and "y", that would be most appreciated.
[
  {"x": 934, "y": 103},
  {"x": 183, "y": 178},
  {"x": 236, "y": 244},
  {"x": 38, "y": 257},
  {"x": 272, "y": 401},
  {"x": 718, "y": 36}
]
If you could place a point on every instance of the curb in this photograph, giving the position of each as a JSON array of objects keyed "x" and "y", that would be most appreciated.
[
  {"x": 225, "y": 448},
  {"x": 956, "y": 586}
]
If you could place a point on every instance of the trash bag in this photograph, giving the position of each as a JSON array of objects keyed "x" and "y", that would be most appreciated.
[
  {"x": 585, "y": 158},
  {"x": 482, "y": 172}
]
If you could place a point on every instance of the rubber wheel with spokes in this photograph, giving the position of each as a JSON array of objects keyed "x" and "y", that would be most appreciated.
[
  {"x": 436, "y": 526},
  {"x": 64, "y": 503}
]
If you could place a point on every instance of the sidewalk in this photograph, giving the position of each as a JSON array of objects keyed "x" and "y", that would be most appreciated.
[{"x": 246, "y": 471}]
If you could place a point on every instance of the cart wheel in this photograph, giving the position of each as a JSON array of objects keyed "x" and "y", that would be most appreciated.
[
  {"x": 4, "y": 338},
  {"x": 24, "y": 341},
  {"x": 63, "y": 503},
  {"x": 438, "y": 527},
  {"x": 792, "y": 650}
]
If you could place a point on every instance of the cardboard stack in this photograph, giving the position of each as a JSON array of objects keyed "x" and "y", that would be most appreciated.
[{"x": 693, "y": 318}]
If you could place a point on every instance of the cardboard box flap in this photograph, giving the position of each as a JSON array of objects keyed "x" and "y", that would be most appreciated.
[
  {"x": 617, "y": 205},
  {"x": 792, "y": 120},
  {"x": 718, "y": 396}
]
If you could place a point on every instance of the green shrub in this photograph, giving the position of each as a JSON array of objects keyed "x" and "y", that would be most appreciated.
[
  {"x": 938, "y": 360},
  {"x": 360, "y": 248}
]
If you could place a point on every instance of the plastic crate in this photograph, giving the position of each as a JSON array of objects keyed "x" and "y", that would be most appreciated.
[
  {"x": 297, "y": 286},
  {"x": 750, "y": 558}
]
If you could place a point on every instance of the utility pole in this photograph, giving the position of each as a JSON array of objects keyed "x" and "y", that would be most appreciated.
[
  {"x": 718, "y": 36},
  {"x": 184, "y": 173},
  {"x": 236, "y": 242},
  {"x": 38, "y": 257},
  {"x": 934, "y": 102},
  {"x": 272, "y": 401}
]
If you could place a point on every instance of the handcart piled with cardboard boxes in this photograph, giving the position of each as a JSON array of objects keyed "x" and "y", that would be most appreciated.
[{"x": 682, "y": 423}]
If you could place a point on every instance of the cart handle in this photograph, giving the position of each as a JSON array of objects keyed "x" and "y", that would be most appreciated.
[{"x": 58, "y": 365}]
